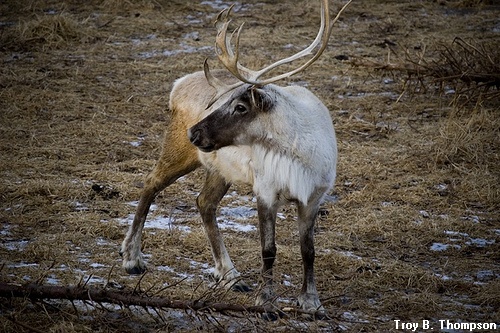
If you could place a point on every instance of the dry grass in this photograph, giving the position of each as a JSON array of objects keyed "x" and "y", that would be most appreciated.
[
  {"x": 81, "y": 82},
  {"x": 470, "y": 140},
  {"x": 52, "y": 31}
]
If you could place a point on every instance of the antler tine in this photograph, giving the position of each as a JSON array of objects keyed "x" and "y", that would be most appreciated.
[
  {"x": 325, "y": 17},
  {"x": 323, "y": 36},
  {"x": 220, "y": 87},
  {"x": 229, "y": 57},
  {"x": 224, "y": 50},
  {"x": 222, "y": 23}
]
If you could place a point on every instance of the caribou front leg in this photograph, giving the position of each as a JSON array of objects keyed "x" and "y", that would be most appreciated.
[
  {"x": 267, "y": 229},
  {"x": 308, "y": 298},
  {"x": 214, "y": 189}
]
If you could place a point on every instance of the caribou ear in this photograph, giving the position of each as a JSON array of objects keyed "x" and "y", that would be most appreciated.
[{"x": 261, "y": 99}]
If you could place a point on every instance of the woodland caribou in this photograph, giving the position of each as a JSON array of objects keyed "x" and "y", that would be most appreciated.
[{"x": 242, "y": 128}]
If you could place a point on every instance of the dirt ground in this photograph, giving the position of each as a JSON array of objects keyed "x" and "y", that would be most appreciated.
[{"x": 411, "y": 231}]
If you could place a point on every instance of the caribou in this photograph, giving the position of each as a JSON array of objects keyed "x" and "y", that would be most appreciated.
[{"x": 243, "y": 128}]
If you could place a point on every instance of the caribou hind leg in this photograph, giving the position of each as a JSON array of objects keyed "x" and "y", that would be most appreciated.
[
  {"x": 178, "y": 158},
  {"x": 214, "y": 189}
]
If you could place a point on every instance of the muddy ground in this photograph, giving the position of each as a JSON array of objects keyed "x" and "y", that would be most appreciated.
[{"x": 412, "y": 229}]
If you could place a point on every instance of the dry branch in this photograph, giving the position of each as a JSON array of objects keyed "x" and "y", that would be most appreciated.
[
  {"x": 72, "y": 293},
  {"x": 377, "y": 65},
  {"x": 472, "y": 69}
]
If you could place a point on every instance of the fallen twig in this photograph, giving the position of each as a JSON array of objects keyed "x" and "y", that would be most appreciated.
[{"x": 122, "y": 298}]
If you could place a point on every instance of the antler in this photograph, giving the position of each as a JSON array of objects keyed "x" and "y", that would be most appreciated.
[{"x": 229, "y": 58}]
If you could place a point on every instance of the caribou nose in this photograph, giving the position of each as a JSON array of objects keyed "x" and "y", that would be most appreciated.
[{"x": 194, "y": 136}]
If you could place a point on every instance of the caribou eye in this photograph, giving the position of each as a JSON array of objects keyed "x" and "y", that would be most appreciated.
[{"x": 240, "y": 108}]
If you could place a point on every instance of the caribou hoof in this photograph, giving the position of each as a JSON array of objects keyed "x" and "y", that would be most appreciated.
[
  {"x": 274, "y": 313},
  {"x": 241, "y": 287},
  {"x": 317, "y": 315},
  {"x": 312, "y": 306},
  {"x": 136, "y": 270},
  {"x": 266, "y": 299},
  {"x": 271, "y": 312},
  {"x": 231, "y": 281},
  {"x": 269, "y": 316},
  {"x": 320, "y": 315},
  {"x": 133, "y": 267}
]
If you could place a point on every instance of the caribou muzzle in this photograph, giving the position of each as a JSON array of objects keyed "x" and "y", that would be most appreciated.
[{"x": 198, "y": 138}]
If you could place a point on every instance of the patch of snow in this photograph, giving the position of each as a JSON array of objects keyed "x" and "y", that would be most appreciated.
[
  {"x": 15, "y": 245},
  {"x": 165, "y": 269},
  {"x": 473, "y": 218},
  {"x": 52, "y": 280},
  {"x": 486, "y": 275},
  {"x": 438, "y": 247},
  {"x": 193, "y": 20},
  {"x": 221, "y": 4},
  {"x": 79, "y": 207},
  {"x": 5, "y": 231},
  {"x": 358, "y": 95},
  {"x": 286, "y": 281},
  {"x": 216, "y": 4},
  {"x": 195, "y": 35},
  {"x": 83, "y": 257},
  {"x": 424, "y": 214},
  {"x": 441, "y": 187},
  {"x": 226, "y": 224},
  {"x": 135, "y": 203},
  {"x": 91, "y": 279},
  {"x": 101, "y": 241},
  {"x": 353, "y": 317},
  {"x": 240, "y": 212},
  {"x": 480, "y": 242},
  {"x": 185, "y": 276},
  {"x": 22, "y": 264},
  {"x": 239, "y": 197},
  {"x": 184, "y": 49},
  {"x": 443, "y": 277},
  {"x": 205, "y": 267},
  {"x": 88, "y": 306},
  {"x": 462, "y": 236},
  {"x": 456, "y": 233},
  {"x": 350, "y": 254},
  {"x": 159, "y": 222},
  {"x": 135, "y": 143},
  {"x": 96, "y": 265}
]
